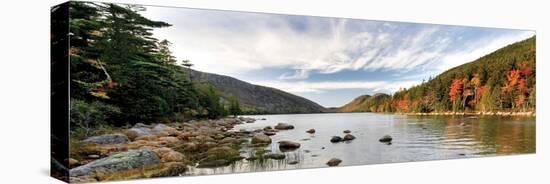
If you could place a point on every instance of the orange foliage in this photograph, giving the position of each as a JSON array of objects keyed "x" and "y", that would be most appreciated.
[
  {"x": 455, "y": 89},
  {"x": 524, "y": 68}
]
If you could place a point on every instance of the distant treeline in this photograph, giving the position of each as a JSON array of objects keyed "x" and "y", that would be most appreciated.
[{"x": 501, "y": 81}]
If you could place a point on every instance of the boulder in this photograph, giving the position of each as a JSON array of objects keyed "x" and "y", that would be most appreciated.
[
  {"x": 107, "y": 139},
  {"x": 275, "y": 156},
  {"x": 334, "y": 162},
  {"x": 169, "y": 155},
  {"x": 348, "y": 137},
  {"x": 228, "y": 140},
  {"x": 335, "y": 139},
  {"x": 386, "y": 138},
  {"x": 118, "y": 162},
  {"x": 162, "y": 129},
  {"x": 73, "y": 162},
  {"x": 149, "y": 137},
  {"x": 269, "y": 133},
  {"x": 134, "y": 132},
  {"x": 264, "y": 139},
  {"x": 288, "y": 145},
  {"x": 169, "y": 140},
  {"x": 283, "y": 126},
  {"x": 190, "y": 146},
  {"x": 267, "y": 128},
  {"x": 347, "y": 131},
  {"x": 94, "y": 156},
  {"x": 311, "y": 131}
]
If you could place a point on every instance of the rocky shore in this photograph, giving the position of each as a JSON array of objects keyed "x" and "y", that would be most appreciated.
[
  {"x": 471, "y": 114},
  {"x": 145, "y": 151},
  {"x": 160, "y": 149}
]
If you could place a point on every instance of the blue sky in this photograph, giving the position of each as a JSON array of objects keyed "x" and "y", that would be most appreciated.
[{"x": 327, "y": 60}]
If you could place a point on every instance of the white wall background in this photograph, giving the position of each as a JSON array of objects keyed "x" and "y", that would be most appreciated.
[{"x": 24, "y": 92}]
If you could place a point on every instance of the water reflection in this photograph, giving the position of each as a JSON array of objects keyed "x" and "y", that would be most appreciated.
[{"x": 416, "y": 138}]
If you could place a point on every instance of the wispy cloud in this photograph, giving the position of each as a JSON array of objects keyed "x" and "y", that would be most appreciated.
[
  {"x": 302, "y": 48},
  {"x": 322, "y": 87}
]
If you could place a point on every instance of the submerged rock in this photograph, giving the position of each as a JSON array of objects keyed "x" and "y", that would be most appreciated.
[
  {"x": 283, "y": 126},
  {"x": 348, "y": 137},
  {"x": 311, "y": 131},
  {"x": 334, "y": 162},
  {"x": 276, "y": 156},
  {"x": 107, "y": 139},
  {"x": 347, "y": 131},
  {"x": 288, "y": 145},
  {"x": 335, "y": 139},
  {"x": 214, "y": 163},
  {"x": 118, "y": 162},
  {"x": 269, "y": 133},
  {"x": 386, "y": 139}
]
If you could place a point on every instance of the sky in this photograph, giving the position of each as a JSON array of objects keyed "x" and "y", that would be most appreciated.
[{"x": 327, "y": 60}]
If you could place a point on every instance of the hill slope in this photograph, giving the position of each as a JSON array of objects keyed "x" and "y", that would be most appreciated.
[
  {"x": 365, "y": 103},
  {"x": 257, "y": 97},
  {"x": 503, "y": 80}
]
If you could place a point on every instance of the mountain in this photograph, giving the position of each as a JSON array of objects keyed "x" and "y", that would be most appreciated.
[
  {"x": 366, "y": 103},
  {"x": 503, "y": 80},
  {"x": 255, "y": 97}
]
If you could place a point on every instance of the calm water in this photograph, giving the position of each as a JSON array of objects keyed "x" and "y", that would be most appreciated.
[{"x": 415, "y": 138}]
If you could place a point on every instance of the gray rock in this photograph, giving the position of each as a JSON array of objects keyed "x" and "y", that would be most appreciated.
[
  {"x": 335, "y": 139},
  {"x": 118, "y": 162},
  {"x": 283, "y": 126},
  {"x": 348, "y": 137},
  {"x": 334, "y": 162},
  {"x": 288, "y": 145},
  {"x": 108, "y": 139},
  {"x": 275, "y": 156},
  {"x": 386, "y": 138},
  {"x": 294, "y": 162}
]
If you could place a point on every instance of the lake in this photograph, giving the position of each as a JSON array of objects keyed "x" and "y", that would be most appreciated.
[{"x": 415, "y": 138}]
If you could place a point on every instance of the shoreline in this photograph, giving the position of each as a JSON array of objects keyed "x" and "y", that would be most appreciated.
[{"x": 498, "y": 113}]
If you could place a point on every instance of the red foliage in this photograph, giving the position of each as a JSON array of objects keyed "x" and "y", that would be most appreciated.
[
  {"x": 522, "y": 85},
  {"x": 455, "y": 90},
  {"x": 524, "y": 69},
  {"x": 402, "y": 105}
]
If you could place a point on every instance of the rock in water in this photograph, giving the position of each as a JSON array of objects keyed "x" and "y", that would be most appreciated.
[
  {"x": 264, "y": 139},
  {"x": 270, "y": 133},
  {"x": 288, "y": 145},
  {"x": 283, "y": 126},
  {"x": 311, "y": 131},
  {"x": 108, "y": 139},
  {"x": 118, "y": 162},
  {"x": 335, "y": 139},
  {"x": 348, "y": 137},
  {"x": 347, "y": 131},
  {"x": 334, "y": 162},
  {"x": 386, "y": 138},
  {"x": 276, "y": 156}
]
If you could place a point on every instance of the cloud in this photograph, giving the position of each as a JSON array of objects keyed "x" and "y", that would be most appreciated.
[
  {"x": 294, "y": 50},
  {"x": 322, "y": 87}
]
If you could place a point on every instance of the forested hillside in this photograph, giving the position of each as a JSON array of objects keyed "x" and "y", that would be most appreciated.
[{"x": 501, "y": 81}]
